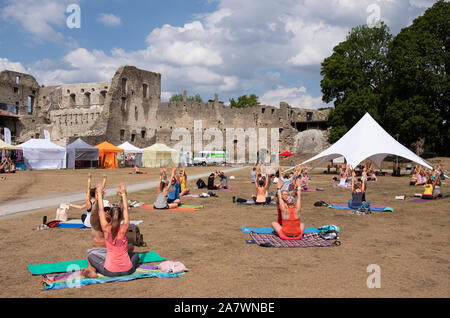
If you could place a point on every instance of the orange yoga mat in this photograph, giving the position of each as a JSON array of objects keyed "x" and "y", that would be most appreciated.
[{"x": 150, "y": 207}]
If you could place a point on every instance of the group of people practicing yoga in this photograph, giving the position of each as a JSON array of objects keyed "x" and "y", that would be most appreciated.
[
  {"x": 170, "y": 191},
  {"x": 111, "y": 254},
  {"x": 431, "y": 180}
]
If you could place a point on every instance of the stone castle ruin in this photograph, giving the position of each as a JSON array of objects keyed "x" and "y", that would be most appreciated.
[{"x": 129, "y": 108}]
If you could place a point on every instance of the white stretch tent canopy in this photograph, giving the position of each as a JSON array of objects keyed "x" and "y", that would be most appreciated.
[
  {"x": 367, "y": 140},
  {"x": 40, "y": 154},
  {"x": 132, "y": 149}
]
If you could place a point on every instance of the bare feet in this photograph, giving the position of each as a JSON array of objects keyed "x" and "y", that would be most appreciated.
[{"x": 88, "y": 273}]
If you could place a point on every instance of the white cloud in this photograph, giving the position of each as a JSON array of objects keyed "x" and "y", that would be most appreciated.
[
  {"x": 109, "y": 19},
  {"x": 224, "y": 51},
  {"x": 294, "y": 96},
  {"x": 40, "y": 18},
  {"x": 6, "y": 64}
]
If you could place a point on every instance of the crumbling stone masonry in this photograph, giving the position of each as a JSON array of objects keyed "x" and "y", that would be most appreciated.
[{"x": 129, "y": 108}]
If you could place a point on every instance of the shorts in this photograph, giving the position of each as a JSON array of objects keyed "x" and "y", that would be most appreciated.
[
  {"x": 169, "y": 201},
  {"x": 268, "y": 200},
  {"x": 166, "y": 207},
  {"x": 427, "y": 196}
]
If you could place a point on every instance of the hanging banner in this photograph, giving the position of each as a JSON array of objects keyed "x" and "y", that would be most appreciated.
[{"x": 7, "y": 134}]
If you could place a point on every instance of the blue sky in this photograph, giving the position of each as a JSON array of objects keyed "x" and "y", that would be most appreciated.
[{"x": 231, "y": 47}]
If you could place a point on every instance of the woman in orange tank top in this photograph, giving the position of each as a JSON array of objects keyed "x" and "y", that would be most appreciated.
[{"x": 290, "y": 213}]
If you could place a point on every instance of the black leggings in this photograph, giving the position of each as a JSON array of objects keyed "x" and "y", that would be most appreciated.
[{"x": 97, "y": 259}]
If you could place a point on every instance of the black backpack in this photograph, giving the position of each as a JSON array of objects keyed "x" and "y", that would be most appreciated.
[
  {"x": 320, "y": 203},
  {"x": 135, "y": 237},
  {"x": 201, "y": 184}
]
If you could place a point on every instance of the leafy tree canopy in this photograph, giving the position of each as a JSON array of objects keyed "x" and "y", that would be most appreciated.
[
  {"x": 179, "y": 98},
  {"x": 245, "y": 101}
]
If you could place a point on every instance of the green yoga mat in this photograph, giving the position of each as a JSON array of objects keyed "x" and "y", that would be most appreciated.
[
  {"x": 42, "y": 269},
  {"x": 189, "y": 206}
]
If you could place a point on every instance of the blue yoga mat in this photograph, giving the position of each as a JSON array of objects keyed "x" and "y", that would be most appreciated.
[
  {"x": 253, "y": 203},
  {"x": 373, "y": 208},
  {"x": 268, "y": 230},
  {"x": 70, "y": 226}
]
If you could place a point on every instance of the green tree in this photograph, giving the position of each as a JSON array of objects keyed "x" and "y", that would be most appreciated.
[
  {"x": 245, "y": 101},
  {"x": 179, "y": 98},
  {"x": 418, "y": 60},
  {"x": 354, "y": 78}
]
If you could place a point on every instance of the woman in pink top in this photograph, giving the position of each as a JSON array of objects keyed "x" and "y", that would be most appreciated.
[{"x": 117, "y": 261}]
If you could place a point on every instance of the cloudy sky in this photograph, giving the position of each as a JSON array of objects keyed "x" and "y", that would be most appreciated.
[{"x": 271, "y": 48}]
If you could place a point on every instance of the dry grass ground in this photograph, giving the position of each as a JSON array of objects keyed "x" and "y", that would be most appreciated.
[{"x": 411, "y": 245}]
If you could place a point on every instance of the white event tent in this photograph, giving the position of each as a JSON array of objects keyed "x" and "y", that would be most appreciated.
[
  {"x": 40, "y": 154},
  {"x": 130, "y": 152},
  {"x": 367, "y": 140}
]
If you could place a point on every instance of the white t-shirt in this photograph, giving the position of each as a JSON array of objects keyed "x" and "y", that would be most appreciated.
[{"x": 87, "y": 220}]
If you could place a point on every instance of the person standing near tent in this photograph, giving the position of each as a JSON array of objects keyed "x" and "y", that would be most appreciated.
[
  {"x": 117, "y": 261},
  {"x": 358, "y": 199},
  {"x": 290, "y": 213}
]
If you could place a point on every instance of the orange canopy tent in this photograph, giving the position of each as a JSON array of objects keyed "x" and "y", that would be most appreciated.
[{"x": 107, "y": 155}]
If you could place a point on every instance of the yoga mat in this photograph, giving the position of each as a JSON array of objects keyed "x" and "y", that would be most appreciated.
[
  {"x": 308, "y": 240},
  {"x": 424, "y": 200},
  {"x": 78, "y": 224},
  {"x": 150, "y": 207},
  {"x": 309, "y": 190},
  {"x": 253, "y": 203},
  {"x": 191, "y": 196},
  {"x": 377, "y": 208},
  {"x": 70, "y": 280},
  {"x": 41, "y": 269},
  {"x": 267, "y": 230},
  {"x": 189, "y": 206}
]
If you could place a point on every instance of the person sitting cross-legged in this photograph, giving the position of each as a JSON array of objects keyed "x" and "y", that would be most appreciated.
[
  {"x": 358, "y": 199},
  {"x": 290, "y": 208}
]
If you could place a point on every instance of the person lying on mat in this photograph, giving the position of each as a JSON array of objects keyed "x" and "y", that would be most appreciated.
[
  {"x": 359, "y": 192},
  {"x": 290, "y": 210},
  {"x": 163, "y": 190},
  {"x": 117, "y": 261},
  {"x": 183, "y": 180},
  {"x": 261, "y": 185},
  {"x": 137, "y": 170}
]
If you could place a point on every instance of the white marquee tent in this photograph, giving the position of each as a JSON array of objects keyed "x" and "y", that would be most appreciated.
[
  {"x": 367, "y": 140},
  {"x": 159, "y": 155},
  {"x": 40, "y": 154},
  {"x": 131, "y": 151}
]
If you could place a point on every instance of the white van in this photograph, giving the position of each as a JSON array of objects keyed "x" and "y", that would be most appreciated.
[{"x": 211, "y": 158}]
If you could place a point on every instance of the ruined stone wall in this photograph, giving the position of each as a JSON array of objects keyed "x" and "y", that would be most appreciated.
[
  {"x": 134, "y": 99},
  {"x": 128, "y": 108}
]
